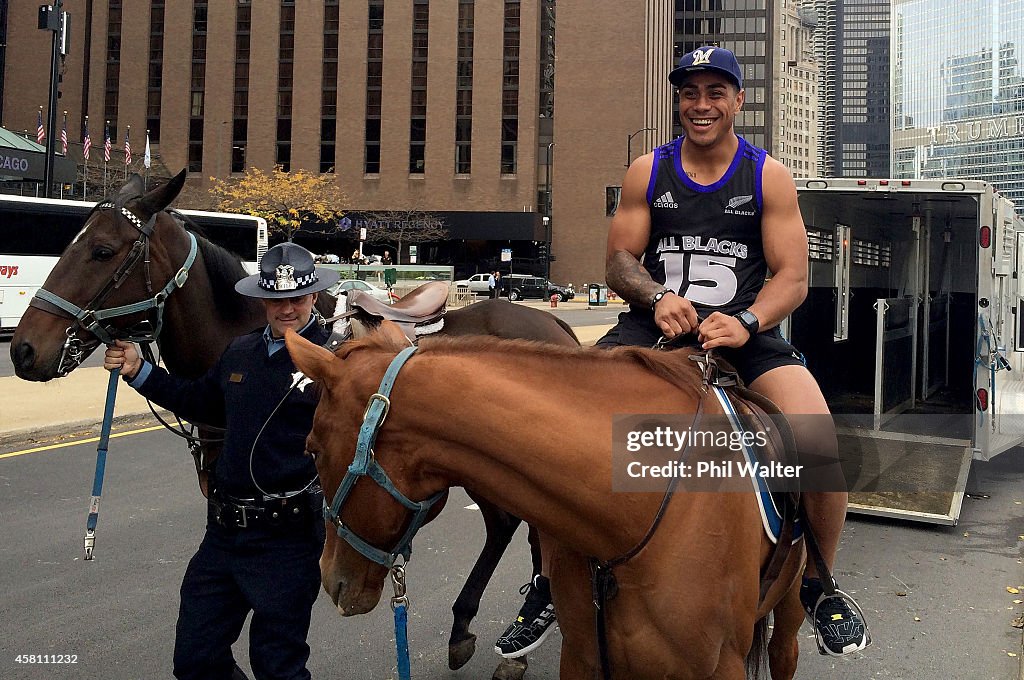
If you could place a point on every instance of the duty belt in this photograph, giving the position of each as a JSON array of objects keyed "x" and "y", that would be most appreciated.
[{"x": 246, "y": 513}]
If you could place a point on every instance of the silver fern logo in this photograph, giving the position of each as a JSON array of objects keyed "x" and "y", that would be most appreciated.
[{"x": 737, "y": 201}]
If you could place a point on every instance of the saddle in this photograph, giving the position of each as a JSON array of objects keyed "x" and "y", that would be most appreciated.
[{"x": 419, "y": 312}]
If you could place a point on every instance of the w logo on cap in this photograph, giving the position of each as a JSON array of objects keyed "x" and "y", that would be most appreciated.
[{"x": 701, "y": 57}]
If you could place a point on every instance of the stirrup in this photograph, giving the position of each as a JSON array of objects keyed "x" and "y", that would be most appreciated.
[{"x": 854, "y": 607}]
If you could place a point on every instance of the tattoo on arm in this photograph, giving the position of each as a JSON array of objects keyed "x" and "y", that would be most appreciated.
[{"x": 627, "y": 277}]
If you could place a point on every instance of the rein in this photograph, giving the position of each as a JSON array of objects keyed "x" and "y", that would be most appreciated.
[
  {"x": 91, "y": 317},
  {"x": 603, "y": 585}
]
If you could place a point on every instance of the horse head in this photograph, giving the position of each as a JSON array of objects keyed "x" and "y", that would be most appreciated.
[
  {"x": 353, "y": 570},
  {"x": 112, "y": 263}
]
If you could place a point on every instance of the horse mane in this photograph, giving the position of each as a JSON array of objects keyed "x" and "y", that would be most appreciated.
[
  {"x": 675, "y": 366},
  {"x": 224, "y": 269}
]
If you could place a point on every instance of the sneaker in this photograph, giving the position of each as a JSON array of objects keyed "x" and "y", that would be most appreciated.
[
  {"x": 535, "y": 622},
  {"x": 839, "y": 629}
]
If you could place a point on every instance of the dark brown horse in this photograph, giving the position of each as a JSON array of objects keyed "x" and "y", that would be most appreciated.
[
  {"x": 199, "y": 318},
  {"x": 688, "y": 603}
]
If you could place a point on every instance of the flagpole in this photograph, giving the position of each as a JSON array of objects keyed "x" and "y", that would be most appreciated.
[
  {"x": 85, "y": 176},
  {"x": 127, "y": 142}
]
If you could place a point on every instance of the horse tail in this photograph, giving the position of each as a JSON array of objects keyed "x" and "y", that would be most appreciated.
[
  {"x": 758, "y": 650},
  {"x": 568, "y": 329}
]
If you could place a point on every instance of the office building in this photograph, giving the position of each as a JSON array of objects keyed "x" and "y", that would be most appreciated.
[
  {"x": 959, "y": 103},
  {"x": 852, "y": 49},
  {"x": 453, "y": 107}
]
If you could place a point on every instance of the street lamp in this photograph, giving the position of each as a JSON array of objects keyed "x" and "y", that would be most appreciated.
[{"x": 629, "y": 143}]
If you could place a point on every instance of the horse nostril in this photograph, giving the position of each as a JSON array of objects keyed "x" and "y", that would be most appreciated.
[{"x": 23, "y": 355}]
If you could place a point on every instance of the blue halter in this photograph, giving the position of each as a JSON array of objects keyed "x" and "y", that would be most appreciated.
[{"x": 366, "y": 465}]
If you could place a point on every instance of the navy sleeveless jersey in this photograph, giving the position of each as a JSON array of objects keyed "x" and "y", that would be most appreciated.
[{"x": 705, "y": 241}]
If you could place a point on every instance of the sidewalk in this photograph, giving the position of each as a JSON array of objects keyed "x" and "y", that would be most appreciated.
[{"x": 78, "y": 400}]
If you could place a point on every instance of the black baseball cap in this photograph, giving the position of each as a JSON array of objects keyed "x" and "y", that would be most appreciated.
[{"x": 707, "y": 59}]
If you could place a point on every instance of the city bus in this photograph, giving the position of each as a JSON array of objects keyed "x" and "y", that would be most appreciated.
[{"x": 35, "y": 231}]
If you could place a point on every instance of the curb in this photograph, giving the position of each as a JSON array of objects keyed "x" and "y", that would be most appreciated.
[{"x": 41, "y": 435}]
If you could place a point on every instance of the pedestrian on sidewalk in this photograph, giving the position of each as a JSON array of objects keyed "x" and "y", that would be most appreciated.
[{"x": 264, "y": 531}]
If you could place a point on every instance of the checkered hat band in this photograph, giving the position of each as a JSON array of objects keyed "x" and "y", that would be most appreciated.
[{"x": 300, "y": 282}]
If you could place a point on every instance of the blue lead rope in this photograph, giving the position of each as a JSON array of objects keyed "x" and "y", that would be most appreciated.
[
  {"x": 101, "y": 466},
  {"x": 402, "y": 641}
]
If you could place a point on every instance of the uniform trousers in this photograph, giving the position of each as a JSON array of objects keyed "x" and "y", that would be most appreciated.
[{"x": 272, "y": 572}]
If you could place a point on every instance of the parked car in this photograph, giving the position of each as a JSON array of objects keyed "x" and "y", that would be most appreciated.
[
  {"x": 519, "y": 287},
  {"x": 346, "y": 285},
  {"x": 477, "y": 284}
]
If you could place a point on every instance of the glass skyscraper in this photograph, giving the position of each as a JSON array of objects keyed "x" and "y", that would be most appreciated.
[
  {"x": 852, "y": 49},
  {"x": 958, "y": 91}
]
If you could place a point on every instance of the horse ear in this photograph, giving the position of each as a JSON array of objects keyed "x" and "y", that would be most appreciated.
[
  {"x": 161, "y": 197},
  {"x": 132, "y": 188},
  {"x": 312, "y": 359}
]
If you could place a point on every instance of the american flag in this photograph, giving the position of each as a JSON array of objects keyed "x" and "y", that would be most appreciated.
[
  {"x": 86, "y": 139},
  {"x": 106, "y": 144},
  {"x": 40, "y": 130},
  {"x": 64, "y": 136},
  {"x": 127, "y": 147}
]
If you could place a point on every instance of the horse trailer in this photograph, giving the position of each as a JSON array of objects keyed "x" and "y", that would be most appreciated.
[{"x": 914, "y": 328}]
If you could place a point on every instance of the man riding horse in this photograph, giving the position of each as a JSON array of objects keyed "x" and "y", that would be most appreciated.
[{"x": 701, "y": 220}]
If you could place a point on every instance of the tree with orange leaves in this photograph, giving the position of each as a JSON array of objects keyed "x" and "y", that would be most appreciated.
[{"x": 288, "y": 201}]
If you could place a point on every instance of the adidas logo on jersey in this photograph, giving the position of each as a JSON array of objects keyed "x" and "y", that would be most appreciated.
[
  {"x": 665, "y": 201},
  {"x": 737, "y": 201}
]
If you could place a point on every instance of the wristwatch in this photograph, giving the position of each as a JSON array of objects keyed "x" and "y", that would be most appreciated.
[
  {"x": 749, "y": 321},
  {"x": 657, "y": 296}
]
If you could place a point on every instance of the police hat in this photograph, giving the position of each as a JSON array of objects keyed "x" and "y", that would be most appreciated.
[{"x": 286, "y": 270}]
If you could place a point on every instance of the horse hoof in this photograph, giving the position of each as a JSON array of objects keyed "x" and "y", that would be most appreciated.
[
  {"x": 460, "y": 652},
  {"x": 510, "y": 669}
]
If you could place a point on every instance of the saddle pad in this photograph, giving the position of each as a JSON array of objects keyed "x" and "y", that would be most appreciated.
[{"x": 771, "y": 517}]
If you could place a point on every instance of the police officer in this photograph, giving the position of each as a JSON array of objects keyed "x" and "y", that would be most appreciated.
[{"x": 265, "y": 531}]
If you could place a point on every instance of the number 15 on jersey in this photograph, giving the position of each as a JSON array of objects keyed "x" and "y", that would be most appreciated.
[{"x": 709, "y": 279}]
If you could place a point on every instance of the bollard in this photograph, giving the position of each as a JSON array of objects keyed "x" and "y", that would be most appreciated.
[{"x": 554, "y": 300}]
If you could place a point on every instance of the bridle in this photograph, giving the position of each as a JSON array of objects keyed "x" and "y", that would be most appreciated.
[
  {"x": 91, "y": 317},
  {"x": 365, "y": 465}
]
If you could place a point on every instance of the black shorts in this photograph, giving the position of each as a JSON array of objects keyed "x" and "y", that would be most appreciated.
[{"x": 762, "y": 353}]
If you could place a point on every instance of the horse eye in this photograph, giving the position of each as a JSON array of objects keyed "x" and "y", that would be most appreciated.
[
  {"x": 102, "y": 253},
  {"x": 312, "y": 454}
]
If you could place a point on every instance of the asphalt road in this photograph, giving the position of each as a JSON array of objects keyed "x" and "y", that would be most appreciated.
[
  {"x": 573, "y": 313},
  {"x": 936, "y": 597}
]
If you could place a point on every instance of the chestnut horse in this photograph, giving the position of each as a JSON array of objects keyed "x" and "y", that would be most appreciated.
[
  {"x": 687, "y": 604},
  {"x": 199, "y": 318}
]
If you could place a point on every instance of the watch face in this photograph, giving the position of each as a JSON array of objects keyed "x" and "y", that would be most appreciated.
[{"x": 747, "y": 318}]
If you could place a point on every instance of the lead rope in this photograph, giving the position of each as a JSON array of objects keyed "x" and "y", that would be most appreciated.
[
  {"x": 400, "y": 605},
  {"x": 101, "y": 465}
]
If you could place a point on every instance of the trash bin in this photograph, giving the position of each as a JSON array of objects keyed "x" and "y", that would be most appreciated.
[{"x": 598, "y": 295}]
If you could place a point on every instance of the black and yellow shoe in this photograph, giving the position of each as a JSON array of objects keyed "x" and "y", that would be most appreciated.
[
  {"x": 838, "y": 622},
  {"x": 535, "y": 622}
]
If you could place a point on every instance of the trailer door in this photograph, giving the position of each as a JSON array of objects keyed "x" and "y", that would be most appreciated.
[{"x": 896, "y": 357}]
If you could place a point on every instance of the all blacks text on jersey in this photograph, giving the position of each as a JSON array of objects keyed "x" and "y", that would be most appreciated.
[
  {"x": 674, "y": 244},
  {"x": 731, "y": 208}
]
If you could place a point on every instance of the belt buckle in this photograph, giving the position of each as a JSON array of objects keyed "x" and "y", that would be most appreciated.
[{"x": 242, "y": 517}]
